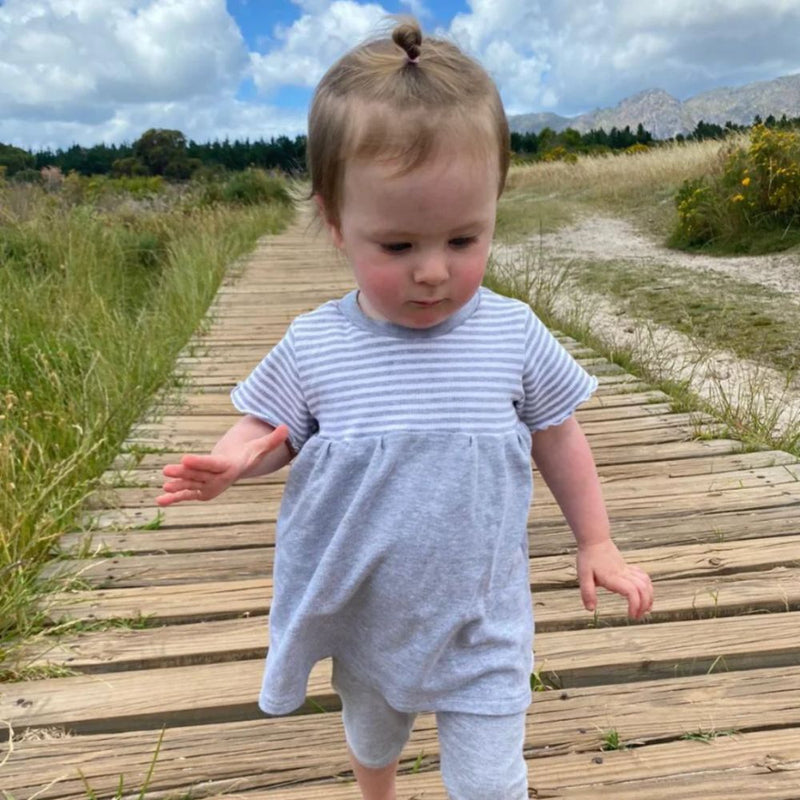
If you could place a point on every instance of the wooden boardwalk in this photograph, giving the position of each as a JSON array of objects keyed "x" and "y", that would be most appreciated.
[{"x": 703, "y": 700}]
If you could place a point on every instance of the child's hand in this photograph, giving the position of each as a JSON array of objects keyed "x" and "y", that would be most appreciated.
[
  {"x": 603, "y": 565},
  {"x": 205, "y": 477}
]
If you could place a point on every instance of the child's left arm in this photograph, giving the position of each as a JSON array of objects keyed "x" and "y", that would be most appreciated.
[{"x": 565, "y": 461}]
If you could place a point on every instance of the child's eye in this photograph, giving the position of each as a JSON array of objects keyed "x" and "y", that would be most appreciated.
[
  {"x": 395, "y": 247},
  {"x": 463, "y": 241}
]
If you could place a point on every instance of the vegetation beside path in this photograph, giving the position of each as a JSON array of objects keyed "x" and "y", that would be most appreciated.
[
  {"x": 104, "y": 281},
  {"x": 714, "y": 311}
]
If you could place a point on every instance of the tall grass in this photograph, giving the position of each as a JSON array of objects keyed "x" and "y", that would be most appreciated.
[
  {"x": 639, "y": 184},
  {"x": 96, "y": 301}
]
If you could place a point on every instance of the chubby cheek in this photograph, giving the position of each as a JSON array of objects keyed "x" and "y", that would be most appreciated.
[
  {"x": 472, "y": 273},
  {"x": 384, "y": 286}
]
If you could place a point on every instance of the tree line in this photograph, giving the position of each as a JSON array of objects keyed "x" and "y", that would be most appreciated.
[
  {"x": 168, "y": 153},
  {"x": 165, "y": 152}
]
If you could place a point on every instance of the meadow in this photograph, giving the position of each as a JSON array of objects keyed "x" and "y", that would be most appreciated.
[
  {"x": 614, "y": 232},
  {"x": 103, "y": 282}
]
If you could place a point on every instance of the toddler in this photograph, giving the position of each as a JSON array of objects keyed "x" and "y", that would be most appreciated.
[{"x": 410, "y": 409}]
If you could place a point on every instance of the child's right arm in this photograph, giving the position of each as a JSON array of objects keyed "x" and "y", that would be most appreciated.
[{"x": 251, "y": 447}]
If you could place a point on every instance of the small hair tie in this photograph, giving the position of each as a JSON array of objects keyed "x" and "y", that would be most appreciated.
[{"x": 414, "y": 60}]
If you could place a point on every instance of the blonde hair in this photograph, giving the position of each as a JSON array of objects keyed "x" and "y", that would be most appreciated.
[{"x": 398, "y": 99}]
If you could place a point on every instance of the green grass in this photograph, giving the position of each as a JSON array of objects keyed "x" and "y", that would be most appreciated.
[
  {"x": 98, "y": 298},
  {"x": 610, "y": 740},
  {"x": 707, "y": 736},
  {"x": 639, "y": 187},
  {"x": 522, "y": 213},
  {"x": 753, "y": 321},
  {"x": 751, "y": 418},
  {"x": 121, "y": 791}
]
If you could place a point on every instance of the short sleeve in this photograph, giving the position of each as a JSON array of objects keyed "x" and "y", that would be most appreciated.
[
  {"x": 273, "y": 392},
  {"x": 553, "y": 383}
]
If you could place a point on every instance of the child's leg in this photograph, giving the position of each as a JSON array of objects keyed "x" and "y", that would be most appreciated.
[
  {"x": 481, "y": 756},
  {"x": 376, "y": 734}
]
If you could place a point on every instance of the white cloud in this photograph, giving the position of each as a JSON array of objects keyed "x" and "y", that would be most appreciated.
[
  {"x": 201, "y": 122},
  {"x": 573, "y": 57},
  {"x": 417, "y": 8},
  {"x": 312, "y": 43},
  {"x": 91, "y": 70},
  {"x": 72, "y": 59}
]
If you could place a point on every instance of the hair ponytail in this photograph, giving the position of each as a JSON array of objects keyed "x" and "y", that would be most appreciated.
[{"x": 408, "y": 36}]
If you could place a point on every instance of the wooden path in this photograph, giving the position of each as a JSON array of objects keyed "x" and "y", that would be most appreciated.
[{"x": 702, "y": 700}]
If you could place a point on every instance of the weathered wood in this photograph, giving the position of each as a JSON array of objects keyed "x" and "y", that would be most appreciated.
[
  {"x": 614, "y": 490},
  {"x": 564, "y": 658},
  {"x": 718, "y": 529},
  {"x": 214, "y": 403},
  {"x": 713, "y": 499},
  {"x": 646, "y": 452},
  {"x": 252, "y": 755},
  {"x": 777, "y": 589},
  {"x": 662, "y": 563},
  {"x": 738, "y": 766},
  {"x": 546, "y": 537},
  {"x": 154, "y": 436}
]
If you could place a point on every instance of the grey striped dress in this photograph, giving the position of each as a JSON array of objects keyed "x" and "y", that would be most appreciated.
[{"x": 401, "y": 544}]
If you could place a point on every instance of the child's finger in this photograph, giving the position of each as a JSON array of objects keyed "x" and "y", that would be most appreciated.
[
  {"x": 645, "y": 586},
  {"x": 625, "y": 586},
  {"x": 181, "y": 485},
  {"x": 644, "y": 599},
  {"x": 588, "y": 589},
  {"x": 273, "y": 439},
  {"x": 180, "y": 472},
  {"x": 200, "y": 463},
  {"x": 175, "y": 497}
]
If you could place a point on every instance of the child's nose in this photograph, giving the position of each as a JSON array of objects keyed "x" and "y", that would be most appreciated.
[{"x": 432, "y": 268}]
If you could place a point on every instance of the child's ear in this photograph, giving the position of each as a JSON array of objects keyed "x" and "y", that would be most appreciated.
[{"x": 333, "y": 229}]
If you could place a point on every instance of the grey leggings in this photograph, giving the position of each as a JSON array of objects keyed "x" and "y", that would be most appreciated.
[{"x": 481, "y": 755}]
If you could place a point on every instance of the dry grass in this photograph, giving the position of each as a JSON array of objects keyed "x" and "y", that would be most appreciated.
[{"x": 642, "y": 186}]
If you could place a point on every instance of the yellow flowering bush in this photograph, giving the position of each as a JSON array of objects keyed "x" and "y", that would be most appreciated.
[{"x": 751, "y": 204}]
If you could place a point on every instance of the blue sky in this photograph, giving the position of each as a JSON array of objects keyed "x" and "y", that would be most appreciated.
[{"x": 88, "y": 71}]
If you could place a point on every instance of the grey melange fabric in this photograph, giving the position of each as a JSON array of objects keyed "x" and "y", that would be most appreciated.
[{"x": 401, "y": 543}]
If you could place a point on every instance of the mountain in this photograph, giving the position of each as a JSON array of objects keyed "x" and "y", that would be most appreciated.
[{"x": 665, "y": 116}]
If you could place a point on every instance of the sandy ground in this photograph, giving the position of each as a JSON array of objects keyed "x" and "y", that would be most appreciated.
[
  {"x": 727, "y": 381},
  {"x": 600, "y": 238}
]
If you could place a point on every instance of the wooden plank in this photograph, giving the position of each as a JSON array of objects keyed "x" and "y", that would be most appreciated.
[
  {"x": 544, "y": 507},
  {"x": 675, "y": 468},
  {"x": 148, "y": 698},
  {"x": 252, "y": 755},
  {"x": 741, "y": 766},
  {"x": 662, "y": 563},
  {"x": 777, "y": 589},
  {"x": 217, "y": 424},
  {"x": 699, "y": 464},
  {"x": 634, "y": 453},
  {"x": 546, "y": 538},
  {"x": 191, "y": 403},
  {"x": 564, "y": 658},
  {"x": 151, "y": 435},
  {"x": 616, "y": 490}
]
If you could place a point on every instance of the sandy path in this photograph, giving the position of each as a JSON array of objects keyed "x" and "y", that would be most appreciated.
[
  {"x": 601, "y": 238},
  {"x": 717, "y": 375}
]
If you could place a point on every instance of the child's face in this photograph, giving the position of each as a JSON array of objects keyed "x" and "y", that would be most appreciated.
[{"x": 418, "y": 243}]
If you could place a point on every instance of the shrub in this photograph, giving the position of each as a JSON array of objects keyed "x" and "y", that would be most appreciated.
[
  {"x": 560, "y": 153},
  {"x": 750, "y": 203},
  {"x": 254, "y": 186},
  {"x": 27, "y": 176}
]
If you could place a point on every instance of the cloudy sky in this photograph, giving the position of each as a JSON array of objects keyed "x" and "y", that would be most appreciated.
[{"x": 88, "y": 71}]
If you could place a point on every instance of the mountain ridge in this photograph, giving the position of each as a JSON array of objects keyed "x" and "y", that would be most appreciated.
[{"x": 665, "y": 116}]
